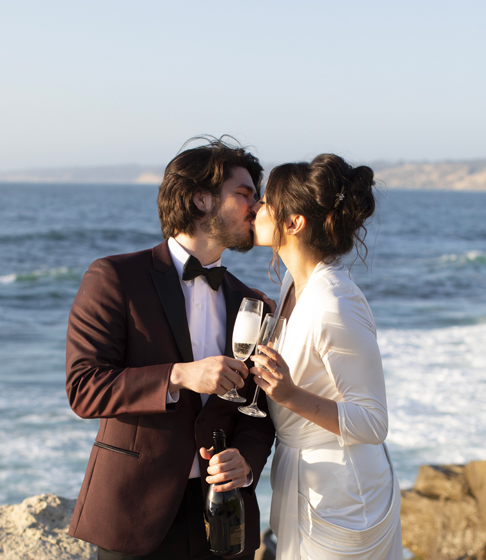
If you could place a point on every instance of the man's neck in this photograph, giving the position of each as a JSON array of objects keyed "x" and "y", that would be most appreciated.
[{"x": 200, "y": 247}]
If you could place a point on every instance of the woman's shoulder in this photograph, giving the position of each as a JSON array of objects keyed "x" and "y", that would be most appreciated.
[
  {"x": 330, "y": 280},
  {"x": 333, "y": 291}
]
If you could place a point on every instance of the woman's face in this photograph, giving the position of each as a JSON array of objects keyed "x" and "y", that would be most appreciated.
[{"x": 263, "y": 225}]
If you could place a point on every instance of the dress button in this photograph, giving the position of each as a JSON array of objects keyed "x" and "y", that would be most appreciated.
[
  {"x": 196, "y": 343},
  {"x": 198, "y": 305}
]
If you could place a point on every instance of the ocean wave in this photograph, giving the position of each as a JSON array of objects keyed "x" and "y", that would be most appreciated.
[
  {"x": 67, "y": 234},
  {"x": 463, "y": 259},
  {"x": 60, "y": 273},
  {"x": 436, "y": 392}
]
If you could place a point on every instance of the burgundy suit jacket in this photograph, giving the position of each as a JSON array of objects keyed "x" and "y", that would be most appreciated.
[{"x": 127, "y": 327}]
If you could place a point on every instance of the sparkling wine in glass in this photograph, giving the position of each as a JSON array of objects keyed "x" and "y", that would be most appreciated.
[
  {"x": 245, "y": 334},
  {"x": 271, "y": 334}
]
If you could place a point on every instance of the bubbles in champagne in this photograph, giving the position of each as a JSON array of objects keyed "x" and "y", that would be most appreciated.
[
  {"x": 247, "y": 326},
  {"x": 242, "y": 351}
]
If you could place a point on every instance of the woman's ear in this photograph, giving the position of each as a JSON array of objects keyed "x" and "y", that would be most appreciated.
[
  {"x": 294, "y": 224},
  {"x": 202, "y": 200}
]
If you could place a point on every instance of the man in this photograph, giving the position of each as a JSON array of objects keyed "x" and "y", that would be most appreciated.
[{"x": 149, "y": 351}]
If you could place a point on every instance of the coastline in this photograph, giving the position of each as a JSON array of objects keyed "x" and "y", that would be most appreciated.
[{"x": 460, "y": 175}]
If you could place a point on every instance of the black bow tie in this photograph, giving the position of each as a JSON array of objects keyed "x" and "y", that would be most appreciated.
[{"x": 194, "y": 268}]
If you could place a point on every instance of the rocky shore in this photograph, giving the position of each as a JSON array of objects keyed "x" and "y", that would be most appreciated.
[{"x": 443, "y": 518}]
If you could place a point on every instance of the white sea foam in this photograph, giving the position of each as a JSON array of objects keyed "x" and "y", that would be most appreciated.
[
  {"x": 463, "y": 258},
  {"x": 436, "y": 396},
  {"x": 8, "y": 279},
  {"x": 59, "y": 272},
  {"x": 436, "y": 399}
]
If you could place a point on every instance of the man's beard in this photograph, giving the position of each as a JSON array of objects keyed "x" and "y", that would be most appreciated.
[{"x": 219, "y": 227}]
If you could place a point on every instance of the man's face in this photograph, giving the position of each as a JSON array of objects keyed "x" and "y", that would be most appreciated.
[{"x": 228, "y": 222}]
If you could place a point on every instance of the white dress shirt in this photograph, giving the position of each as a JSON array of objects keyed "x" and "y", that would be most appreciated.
[{"x": 206, "y": 317}]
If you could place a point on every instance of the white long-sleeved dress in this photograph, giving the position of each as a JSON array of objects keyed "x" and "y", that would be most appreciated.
[{"x": 334, "y": 497}]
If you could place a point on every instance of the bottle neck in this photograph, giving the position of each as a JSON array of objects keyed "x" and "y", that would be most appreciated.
[{"x": 219, "y": 441}]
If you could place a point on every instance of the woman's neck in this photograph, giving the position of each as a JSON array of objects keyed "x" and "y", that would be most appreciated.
[{"x": 300, "y": 264}]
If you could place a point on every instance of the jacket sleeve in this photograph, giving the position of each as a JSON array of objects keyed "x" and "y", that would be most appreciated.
[
  {"x": 98, "y": 383},
  {"x": 346, "y": 342}
]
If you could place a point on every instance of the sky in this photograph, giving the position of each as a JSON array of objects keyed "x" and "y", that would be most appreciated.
[{"x": 114, "y": 82}]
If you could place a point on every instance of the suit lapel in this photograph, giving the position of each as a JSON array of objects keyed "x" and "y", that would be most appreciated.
[{"x": 169, "y": 290}]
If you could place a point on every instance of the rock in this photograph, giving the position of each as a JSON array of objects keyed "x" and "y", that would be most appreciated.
[
  {"x": 441, "y": 517},
  {"x": 37, "y": 528},
  {"x": 436, "y": 481},
  {"x": 476, "y": 478},
  {"x": 268, "y": 546}
]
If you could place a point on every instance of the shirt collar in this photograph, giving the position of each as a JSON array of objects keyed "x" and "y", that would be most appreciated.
[{"x": 180, "y": 255}]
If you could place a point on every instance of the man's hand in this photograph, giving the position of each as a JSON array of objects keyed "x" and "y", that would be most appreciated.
[
  {"x": 228, "y": 466},
  {"x": 217, "y": 374},
  {"x": 270, "y": 302}
]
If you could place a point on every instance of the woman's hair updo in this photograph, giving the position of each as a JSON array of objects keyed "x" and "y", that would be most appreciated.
[{"x": 334, "y": 198}]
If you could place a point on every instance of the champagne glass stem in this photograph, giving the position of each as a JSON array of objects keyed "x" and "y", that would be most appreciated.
[{"x": 255, "y": 397}]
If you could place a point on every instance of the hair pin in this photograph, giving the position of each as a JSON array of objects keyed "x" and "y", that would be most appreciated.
[{"x": 339, "y": 197}]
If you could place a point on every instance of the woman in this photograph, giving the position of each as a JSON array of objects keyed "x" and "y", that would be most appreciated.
[{"x": 335, "y": 494}]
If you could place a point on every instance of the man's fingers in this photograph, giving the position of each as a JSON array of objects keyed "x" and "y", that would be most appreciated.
[
  {"x": 237, "y": 476},
  {"x": 224, "y": 459},
  {"x": 238, "y": 366},
  {"x": 206, "y": 453},
  {"x": 231, "y": 485},
  {"x": 235, "y": 379}
]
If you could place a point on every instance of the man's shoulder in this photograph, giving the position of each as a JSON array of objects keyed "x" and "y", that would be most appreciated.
[
  {"x": 130, "y": 259},
  {"x": 126, "y": 265}
]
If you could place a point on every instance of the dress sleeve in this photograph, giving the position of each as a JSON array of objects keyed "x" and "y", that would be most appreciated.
[{"x": 346, "y": 342}]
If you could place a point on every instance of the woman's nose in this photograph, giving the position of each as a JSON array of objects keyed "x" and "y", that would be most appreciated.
[{"x": 255, "y": 206}]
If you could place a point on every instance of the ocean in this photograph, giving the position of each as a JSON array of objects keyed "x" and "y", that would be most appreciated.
[{"x": 425, "y": 280}]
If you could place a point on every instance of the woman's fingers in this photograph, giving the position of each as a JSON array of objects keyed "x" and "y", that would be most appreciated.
[
  {"x": 264, "y": 365},
  {"x": 262, "y": 383},
  {"x": 270, "y": 352}
]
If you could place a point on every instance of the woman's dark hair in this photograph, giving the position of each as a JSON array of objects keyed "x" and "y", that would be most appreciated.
[
  {"x": 201, "y": 169},
  {"x": 334, "y": 198}
]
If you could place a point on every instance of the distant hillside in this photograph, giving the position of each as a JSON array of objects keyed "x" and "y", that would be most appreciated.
[
  {"x": 116, "y": 174},
  {"x": 451, "y": 175}
]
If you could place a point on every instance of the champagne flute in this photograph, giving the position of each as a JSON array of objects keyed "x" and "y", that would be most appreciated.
[
  {"x": 245, "y": 334},
  {"x": 272, "y": 334}
]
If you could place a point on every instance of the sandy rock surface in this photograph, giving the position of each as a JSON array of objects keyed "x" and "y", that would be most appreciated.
[
  {"x": 441, "y": 515},
  {"x": 37, "y": 528}
]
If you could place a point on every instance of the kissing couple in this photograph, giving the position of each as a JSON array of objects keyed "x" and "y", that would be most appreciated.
[{"x": 149, "y": 352}]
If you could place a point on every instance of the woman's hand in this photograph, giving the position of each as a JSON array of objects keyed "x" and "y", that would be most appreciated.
[
  {"x": 277, "y": 382},
  {"x": 278, "y": 385}
]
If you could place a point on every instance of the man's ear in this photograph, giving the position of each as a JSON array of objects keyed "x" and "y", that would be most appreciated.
[
  {"x": 202, "y": 200},
  {"x": 294, "y": 224}
]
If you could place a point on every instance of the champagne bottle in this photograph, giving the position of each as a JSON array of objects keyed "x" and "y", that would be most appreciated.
[{"x": 225, "y": 513}]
